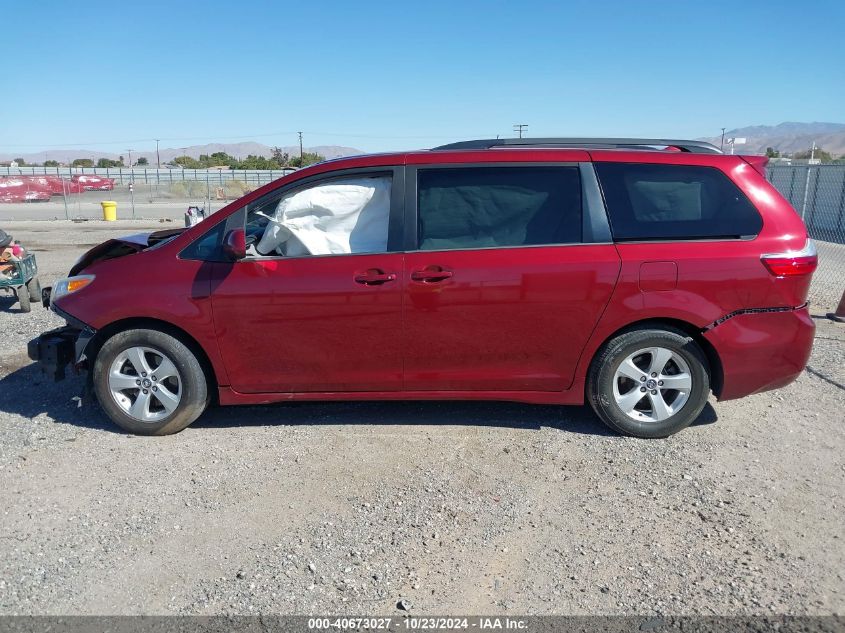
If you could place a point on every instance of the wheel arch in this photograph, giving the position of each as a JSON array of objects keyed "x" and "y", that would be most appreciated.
[
  {"x": 714, "y": 368},
  {"x": 147, "y": 323}
]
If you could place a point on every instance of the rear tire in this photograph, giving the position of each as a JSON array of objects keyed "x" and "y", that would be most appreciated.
[
  {"x": 149, "y": 383},
  {"x": 33, "y": 287},
  {"x": 649, "y": 382},
  {"x": 23, "y": 298}
]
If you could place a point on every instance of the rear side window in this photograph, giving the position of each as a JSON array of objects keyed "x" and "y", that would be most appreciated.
[
  {"x": 488, "y": 207},
  {"x": 674, "y": 202}
]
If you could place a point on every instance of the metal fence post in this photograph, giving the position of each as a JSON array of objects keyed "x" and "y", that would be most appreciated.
[
  {"x": 806, "y": 192},
  {"x": 840, "y": 216},
  {"x": 64, "y": 197},
  {"x": 791, "y": 187}
]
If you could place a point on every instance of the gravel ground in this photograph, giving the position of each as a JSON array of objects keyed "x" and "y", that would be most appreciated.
[{"x": 455, "y": 508}]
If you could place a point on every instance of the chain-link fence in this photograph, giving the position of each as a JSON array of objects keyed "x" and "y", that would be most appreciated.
[
  {"x": 818, "y": 194},
  {"x": 44, "y": 193}
]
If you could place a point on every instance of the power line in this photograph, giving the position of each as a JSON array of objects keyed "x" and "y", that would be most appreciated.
[
  {"x": 251, "y": 136},
  {"x": 519, "y": 127}
]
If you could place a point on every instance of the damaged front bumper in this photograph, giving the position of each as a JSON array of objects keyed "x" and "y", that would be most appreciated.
[{"x": 56, "y": 349}]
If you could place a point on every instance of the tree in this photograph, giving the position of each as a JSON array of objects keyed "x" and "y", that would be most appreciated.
[
  {"x": 258, "y": 162},
  {"x": 51, "y": 163},
  {"x": 21, "y": 162},
  {"x": 280, "y": 157},
  {"x": 82, "y": 162},
  {"x": 219, "y": 159},
  {"x": 308, "y": 158},
  {"x": 108, "y": 162},
  {"x": 771, "y": 152},
  {"x": 142, "y": 161},
  {"x": 186, "y": 162},
  {"x": 818, "y": 154}
]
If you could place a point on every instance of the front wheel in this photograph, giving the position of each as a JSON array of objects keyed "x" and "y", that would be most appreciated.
[
  {"x": 149, "y": 382},
  {"x": 649, "y": 383},
  {"x": 23, "y": 298},
  {"x": 33, "y": 288}
]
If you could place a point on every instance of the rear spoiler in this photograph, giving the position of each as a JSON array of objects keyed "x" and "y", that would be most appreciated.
[{"x": 758, "y": 163}]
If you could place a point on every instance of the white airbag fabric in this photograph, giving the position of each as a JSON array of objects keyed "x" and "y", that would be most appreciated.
[{"x": 343, "y": 216}]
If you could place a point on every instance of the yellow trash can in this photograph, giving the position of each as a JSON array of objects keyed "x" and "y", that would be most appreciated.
[{"x": 109, "y": 210}]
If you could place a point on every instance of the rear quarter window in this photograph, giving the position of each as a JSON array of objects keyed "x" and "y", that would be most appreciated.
[{"x": 675, "y": 202}]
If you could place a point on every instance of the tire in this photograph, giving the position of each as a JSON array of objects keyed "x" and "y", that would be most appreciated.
[
  {"x": 634, "y": 372},
  {"x": 33, "y": 287},
  {"x": 23, "y": 298},
  {"x": 169, "y": 403}
]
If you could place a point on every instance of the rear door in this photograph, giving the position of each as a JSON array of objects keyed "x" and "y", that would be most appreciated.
[
  {"x": 298, "y": 315},
  {"x": 509, "y": 268}
]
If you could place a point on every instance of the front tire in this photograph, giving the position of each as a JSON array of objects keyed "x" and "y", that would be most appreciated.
[
  {"x": 149, "y": 382},
  {"x": 23, "y": 298},
  {"x": 648, "y": 382},
  {"x": 33, "y": 287}
]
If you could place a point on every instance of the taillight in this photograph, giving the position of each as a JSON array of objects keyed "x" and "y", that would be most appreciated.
[{"x": 792, "y": 263}]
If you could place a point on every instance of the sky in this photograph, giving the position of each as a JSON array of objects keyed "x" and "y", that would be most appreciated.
[{"x": 402, "y": 75}]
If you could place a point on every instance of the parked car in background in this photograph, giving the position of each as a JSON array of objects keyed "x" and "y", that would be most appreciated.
[
  {"x": 92, "y": 182},
  {"x": 554, "y": 271},
  {"x": 24, "y": 189},
  {"x": 63, "y": 186}
]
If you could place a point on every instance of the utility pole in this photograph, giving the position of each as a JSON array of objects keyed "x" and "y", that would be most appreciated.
[
  {"x": 158, "y": 167},
  {"x": 813, "y": 153},
  {"x": 131, "y": 184},
  {"x": 300, "y": 150},
  {"x": 519, "y": 127},
  {"x": 722, "y": 145}
]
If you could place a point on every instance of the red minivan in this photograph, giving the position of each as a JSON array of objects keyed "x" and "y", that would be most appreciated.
[{"x": 636, "y": 274}]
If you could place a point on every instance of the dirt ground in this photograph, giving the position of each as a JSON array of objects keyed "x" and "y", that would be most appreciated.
[{"x": 455, "y": 508}]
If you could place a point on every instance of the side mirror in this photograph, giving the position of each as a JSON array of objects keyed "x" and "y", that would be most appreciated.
[{"x": 235, "y": 244}]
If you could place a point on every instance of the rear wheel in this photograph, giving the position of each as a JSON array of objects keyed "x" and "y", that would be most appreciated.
[
  {"x": 33, "y": 287},
  {"x": 149, "y": 382},
  {"x": 23, "y": 298},
  {"x": 649, "y": 383}
]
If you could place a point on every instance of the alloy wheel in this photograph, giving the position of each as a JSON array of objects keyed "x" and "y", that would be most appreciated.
[
  {"x": 145, "y": 384},
  {"x": 652, "y": 384}
]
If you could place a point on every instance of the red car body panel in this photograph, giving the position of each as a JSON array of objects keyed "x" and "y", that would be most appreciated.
[
  {"x": 762, "y": 351},
  {"x": 24, "y": 189},
  {"x": 508, "y": 319},
  {"x": 63, "y": 186},
  {"x": 179, "y": 297},
  {"x": 92, "y": 182},
  {"x": 521, "y": 323},
  {"x": 304, "y": 324}
]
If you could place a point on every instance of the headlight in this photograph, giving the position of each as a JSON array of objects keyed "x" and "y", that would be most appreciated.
[{"x": 69, "y": 285}]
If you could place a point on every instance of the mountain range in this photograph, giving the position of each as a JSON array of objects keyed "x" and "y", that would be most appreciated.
[
  {"x": 238, "y": 150},
  {"x": 787, "y": 138}
]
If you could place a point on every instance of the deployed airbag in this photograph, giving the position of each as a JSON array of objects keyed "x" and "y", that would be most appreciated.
[{"x": 341, "y": 216}]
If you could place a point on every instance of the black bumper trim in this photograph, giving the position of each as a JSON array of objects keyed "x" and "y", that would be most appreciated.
[
  {"x": 735, "y": 313},
  {"x": 54, "y": 350}
]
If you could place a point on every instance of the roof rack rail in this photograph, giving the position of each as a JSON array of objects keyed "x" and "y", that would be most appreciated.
[{"x": 694, "y": 147}]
